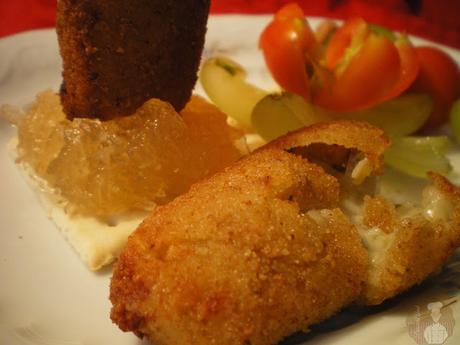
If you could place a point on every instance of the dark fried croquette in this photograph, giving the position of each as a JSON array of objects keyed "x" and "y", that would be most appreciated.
[{"x": 118, "y": 54}]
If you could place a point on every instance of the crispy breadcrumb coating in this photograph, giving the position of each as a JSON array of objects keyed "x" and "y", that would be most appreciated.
[
  {"x": 269, "y": 246},
  {"x": 418, "y": 243},
  {"x": 339, "y": 135},
  {"x": 118, "y": 54},
  {"x": 235, "y": 261}
]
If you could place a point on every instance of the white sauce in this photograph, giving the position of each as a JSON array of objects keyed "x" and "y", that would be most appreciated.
[
  {"x": 436, "y": 206},
  {"x": 377, "y": 243}
]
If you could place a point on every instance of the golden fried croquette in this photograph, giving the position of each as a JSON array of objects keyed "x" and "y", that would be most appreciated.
[
  {"x": 338, "y": 135},
  {"x": 404, "y": 245},
  {"x": 118, "y": 54},
  {"x": 280, "y": 240},
  {"x": 413, "y": 241},
  {"x": 236, "y": 261}
]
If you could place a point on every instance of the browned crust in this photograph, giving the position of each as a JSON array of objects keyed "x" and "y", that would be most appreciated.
[
  {"x": 361, "y": 136},
  {"x": 445, "y": 186},
  {"x": 261, "y": 250},
  {"x": 118, "y": 54},
  {"x": 234, "y": 262},
  {"x": 419, "y": 248},
  {"x": 380, "y": 213}
]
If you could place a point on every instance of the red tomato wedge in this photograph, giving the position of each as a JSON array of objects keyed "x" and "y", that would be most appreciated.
[
  {"x": 367, "y": 78},
  {"x": 352, "y": 33},
  {"x": 286, "y": 43},
  {"x": 408, "y": 70},
  {"x": 439, "y": 76},
  {"x": 289, "y": 11},
  {"x": 361, "y": 66}
]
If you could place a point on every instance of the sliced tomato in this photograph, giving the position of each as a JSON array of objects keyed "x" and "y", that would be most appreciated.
[
  {"x": 439, "y": 77},
  {"x": 324, "y": 31},
  {"x": 289, "y": 11},
  {"x": 350, "y": 35},
  {"x": 369, "y": 75},
  {"x": 363, "y": 64},
  {"x": 348, "y": 40},
  {"x": 286, "y": 43},
  {"x": 409, "y": 68}
]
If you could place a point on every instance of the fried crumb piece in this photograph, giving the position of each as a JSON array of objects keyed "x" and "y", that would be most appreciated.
[
  {"x": 379, "y": 213},
  {"x": 118, "y": 54}
]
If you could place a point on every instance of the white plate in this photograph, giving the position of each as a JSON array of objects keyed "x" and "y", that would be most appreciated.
[{"x": 48, "y": 297}]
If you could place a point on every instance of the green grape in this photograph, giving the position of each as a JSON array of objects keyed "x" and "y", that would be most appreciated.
[
  {"x": 278, "y": 114},
  {"x": 416, "y": 156},
  {"x": 224, "y": 82},
  {"x": 454, "y": 119},
  {"x": 397, "y": 117}
]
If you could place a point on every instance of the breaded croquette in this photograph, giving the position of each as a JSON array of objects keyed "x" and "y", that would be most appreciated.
[
  {"x": 415, "y": 241},
  {"x": 406, "y": 243},
  {"x": 282, "y": 239},
  {"x": 118, "y": 54},
  {"x": 236, "y": 261}
]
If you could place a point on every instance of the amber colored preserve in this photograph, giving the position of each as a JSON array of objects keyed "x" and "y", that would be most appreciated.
[{"x": 129, "y": 163}]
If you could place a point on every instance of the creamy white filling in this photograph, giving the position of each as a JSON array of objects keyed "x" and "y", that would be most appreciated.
[
  {"x": 436, "y": 206},
  {"x": 377, "y": 243},
  {"x": 432, "y": 204}
]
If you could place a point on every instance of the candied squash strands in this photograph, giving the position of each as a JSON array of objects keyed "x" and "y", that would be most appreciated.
[{"x": 109, "y": 167}]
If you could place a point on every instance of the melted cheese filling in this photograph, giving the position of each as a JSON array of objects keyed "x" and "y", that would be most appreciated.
[
  {"x": 433, "y": 206},
  {"x": 436, "y": 206}
]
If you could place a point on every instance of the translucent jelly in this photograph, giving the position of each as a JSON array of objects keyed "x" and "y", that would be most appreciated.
[{"x": 129, "y": 163}]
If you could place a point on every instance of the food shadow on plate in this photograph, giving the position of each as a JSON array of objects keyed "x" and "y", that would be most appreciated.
[
  {"x": 343, "y": 319},
  {"x": 446, "y": 284}
]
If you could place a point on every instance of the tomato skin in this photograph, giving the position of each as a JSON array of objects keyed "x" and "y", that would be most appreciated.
[
  {"x": 353, "y": 31},
  {"x": 289, "y": 11},
  {"x": 367, "y": 78},
  {"x": 439, "y": 76},
  {"x": 359, "y": 68},
  {"x": 286, "y": 43},
  {"x": 409, "y": 70}
]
